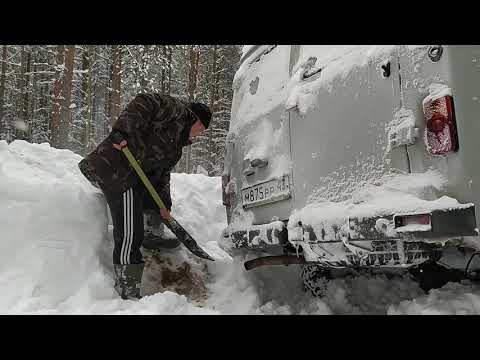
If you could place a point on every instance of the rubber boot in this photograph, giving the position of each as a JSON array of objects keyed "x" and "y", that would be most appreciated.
[
  {"x": 128, "y": 279},
  {"x": 154, "y": 236}
]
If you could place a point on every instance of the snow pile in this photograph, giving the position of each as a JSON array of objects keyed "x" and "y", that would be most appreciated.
[
  {"x": 52, "y": 227},
  {"x": 452, "y": 299},
  {"x": 273, "y": 290},
  {"x": 56, "y": 255},
  {"x": 197, "y": 205},
  {"x": 277, "y": 290},
  {"x": 369, "y": 294}
]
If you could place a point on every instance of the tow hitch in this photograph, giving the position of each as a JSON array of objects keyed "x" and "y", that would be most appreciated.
[{"x": 274, "y": 260}]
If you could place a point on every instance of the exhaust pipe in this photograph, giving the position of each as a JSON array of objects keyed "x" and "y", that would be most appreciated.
[{"x": 274, "y": 260}]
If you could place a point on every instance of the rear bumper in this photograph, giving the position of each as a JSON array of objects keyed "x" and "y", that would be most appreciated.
[
  {"x": 361, "y": 242},
  {"x": 446, "y": 223},
  {"x": 259, "y": 237}
]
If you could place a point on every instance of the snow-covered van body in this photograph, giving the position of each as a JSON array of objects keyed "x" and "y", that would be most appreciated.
[{"x": 354, "y": 155}]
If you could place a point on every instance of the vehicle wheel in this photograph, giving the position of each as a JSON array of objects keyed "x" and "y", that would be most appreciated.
[
  {"x": 431, "y": 275},
  {"x": 315, "y": 279}
]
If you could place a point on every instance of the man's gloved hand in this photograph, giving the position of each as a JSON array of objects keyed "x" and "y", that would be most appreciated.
[
  {"x": 122, "y": 144},
  {"x": 164, "y": 213},
  {"x": 118, "y": 139}
]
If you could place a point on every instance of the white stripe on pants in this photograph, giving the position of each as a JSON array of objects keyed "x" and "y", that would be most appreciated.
[{"x": 127, "y": 227}]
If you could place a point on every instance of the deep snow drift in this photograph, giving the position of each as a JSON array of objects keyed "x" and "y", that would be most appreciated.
[{"x": 55, "y": 251}]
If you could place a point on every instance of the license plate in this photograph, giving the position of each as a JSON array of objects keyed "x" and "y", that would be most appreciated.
[{"x": 267, "y": 192}]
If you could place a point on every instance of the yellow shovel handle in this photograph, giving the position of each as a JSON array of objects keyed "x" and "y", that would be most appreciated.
[{"x": 144, "y": 178}]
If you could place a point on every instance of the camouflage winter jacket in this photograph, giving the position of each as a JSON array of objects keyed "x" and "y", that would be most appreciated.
[{"x": 156, "y": 128}]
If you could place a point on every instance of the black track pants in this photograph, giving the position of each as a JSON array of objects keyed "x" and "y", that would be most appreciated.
[{"x": 127, "y": 217}]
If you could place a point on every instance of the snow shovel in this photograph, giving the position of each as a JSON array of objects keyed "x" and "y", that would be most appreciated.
[{"x": 182, "y": 235}]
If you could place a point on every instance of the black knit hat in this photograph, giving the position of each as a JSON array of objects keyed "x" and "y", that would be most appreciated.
[{"x": 203, "y": 113}]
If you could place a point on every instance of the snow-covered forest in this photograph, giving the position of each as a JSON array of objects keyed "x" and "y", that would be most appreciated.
[
  {"x": 69, "y": 96},
  {"x": 349, "y": 164}
]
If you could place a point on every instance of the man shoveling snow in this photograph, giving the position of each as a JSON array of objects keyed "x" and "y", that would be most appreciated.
[{"x": 156, "y": 127}]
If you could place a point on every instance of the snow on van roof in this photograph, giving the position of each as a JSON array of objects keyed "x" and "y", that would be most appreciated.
[{"x": 246, "y": 49}]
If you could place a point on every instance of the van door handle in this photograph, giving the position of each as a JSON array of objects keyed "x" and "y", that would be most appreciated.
[
  {"x": 248, "y": 172},
  {"x": 259, "y": 163}
]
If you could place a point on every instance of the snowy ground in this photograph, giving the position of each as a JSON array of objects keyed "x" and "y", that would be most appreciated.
[{"x": 55, "y": 251}]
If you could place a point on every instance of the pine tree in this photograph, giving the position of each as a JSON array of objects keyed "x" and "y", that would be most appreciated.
[
  {"x": 66, "y": 113},
  {"x": 215, "y": 89},
  {"x": 2, "y": 86}
]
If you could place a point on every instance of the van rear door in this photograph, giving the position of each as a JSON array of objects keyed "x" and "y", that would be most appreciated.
[
  {"x": 259, "y": 141},
  {"x": 344, "y": 99}
]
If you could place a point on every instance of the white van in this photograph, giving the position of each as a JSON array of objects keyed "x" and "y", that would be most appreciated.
[{"x": 354, "y": 156}]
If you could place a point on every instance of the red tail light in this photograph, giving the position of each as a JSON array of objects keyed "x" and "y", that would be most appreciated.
[
  {"x": 420, "y": 219},
  {"x": 417, "y": 222},
  {"x": 441, "y": 128},
  {"x": 225, "y": 195}
]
